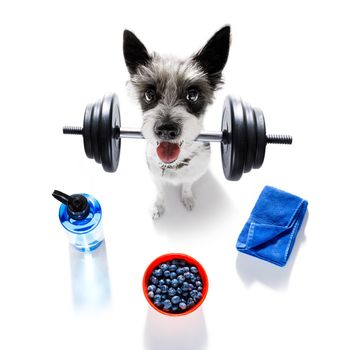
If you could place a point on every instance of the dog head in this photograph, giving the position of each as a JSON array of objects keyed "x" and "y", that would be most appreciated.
[{"x": 174, "y": 93}]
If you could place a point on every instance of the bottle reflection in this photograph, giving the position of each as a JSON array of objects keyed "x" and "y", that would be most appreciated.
[{"x": 90, "y": 279}]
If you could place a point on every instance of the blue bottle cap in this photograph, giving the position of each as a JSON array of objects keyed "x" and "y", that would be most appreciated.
[{"x": 77, "y": 205}]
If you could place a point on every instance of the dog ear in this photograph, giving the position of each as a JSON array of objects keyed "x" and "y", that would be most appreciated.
[
  {"x": 213, "y": 56},
  {"x": 135, "y": 53}
]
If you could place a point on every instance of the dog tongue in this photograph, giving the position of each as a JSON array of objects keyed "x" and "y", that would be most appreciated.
[{"x": 168, "y": 152}]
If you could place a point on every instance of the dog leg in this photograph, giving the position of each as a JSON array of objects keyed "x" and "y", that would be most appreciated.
[
  {"x": 159, "y": 204},
  {"x": 187, "y": 196}
]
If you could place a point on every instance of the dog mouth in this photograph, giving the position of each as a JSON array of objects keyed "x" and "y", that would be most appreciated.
[{"x": 168, "y": 152}]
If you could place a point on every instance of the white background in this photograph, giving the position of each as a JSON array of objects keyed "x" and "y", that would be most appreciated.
[{"x": 289, "y": 58}]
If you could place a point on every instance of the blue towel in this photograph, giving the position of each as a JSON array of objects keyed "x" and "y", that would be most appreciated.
[{"x": 273, "y": 225}]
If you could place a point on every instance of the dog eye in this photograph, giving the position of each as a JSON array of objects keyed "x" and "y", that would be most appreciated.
[
  {"x": 150, "y": 95},
  {"x": 192, "y": 95}
]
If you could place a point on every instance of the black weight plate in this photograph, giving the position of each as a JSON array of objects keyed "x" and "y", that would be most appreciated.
[
  {"x": 95, "y": 124},
  {"x": 109, "y": 146},
  {"x": 251, "y": 137},
  {"x": 233, "y": 147},
  {"x": 260, "y": 138},
  {"x": 87, "y": 131}
]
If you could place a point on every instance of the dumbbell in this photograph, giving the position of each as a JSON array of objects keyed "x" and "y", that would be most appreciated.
[{"x": 243, "y": 135}]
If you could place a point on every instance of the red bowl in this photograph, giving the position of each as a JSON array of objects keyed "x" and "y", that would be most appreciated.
[{"x": 164, "y": 258}]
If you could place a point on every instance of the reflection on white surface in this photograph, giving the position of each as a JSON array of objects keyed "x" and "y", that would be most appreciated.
[
  {"x": 90, "y": 278},
  {"x": 175, "y": 333}
]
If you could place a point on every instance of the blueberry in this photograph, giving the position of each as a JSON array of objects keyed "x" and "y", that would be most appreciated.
[
  {"x": 182, "y": 263},
  {"x": 193, "y": 279},
  {"x": 172, "y": 268},
  {"x": 179, "y": 290},
  {"x": 158, "y": 304},
  {"x": 185, "y": 286},
  {"x": 174, "y": 308},
  {"x": 198, "y": 284},
  {"x": 168, "y": 281},
  {"x": 199, "y": 295},
  {"x": 190, "y": 287},
  {"x": 161, "y": 283},
  {"x": 190, "y": 302},
  {"x": 173, "y": 275},
  {"x": 158, "y": 273},
  {"x": 166, "y": 273},
  {"x": 181, "y": 278},
  {"x": 175, "y": 299},
  {"x": 199, "y": 289},
  {"x": 157, "y": 297},
  {"x": 182, "y": 306},
  {"x": 154, "y": 280},
  {"x": 152, "y": 288},
  {"x": 193, "y": 269},
  {"x": 171, "y": 291},
  {"x": 163, "y": 266},
  {"x": 167, "y": 304},
  {"x": 187, "y": 274},
  {"x": 164, "y": 288},
  {"x": 194, "y": 293},
  {"x": 185, "y": 294},
  {"x": 175, "y": 262},
  {"x": 180, "y": 271},
  {"x": 151, "y": 294},
  {"x": 174, "y": 282},
  {"x": 158, "y": 291},
  {"x": 186, "y": 269}
]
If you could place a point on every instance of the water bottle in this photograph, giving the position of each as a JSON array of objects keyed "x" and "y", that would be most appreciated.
[{"x": 80, "y": 215}]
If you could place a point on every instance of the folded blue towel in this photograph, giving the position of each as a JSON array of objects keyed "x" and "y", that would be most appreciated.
[{"x": 273, "y": 225}]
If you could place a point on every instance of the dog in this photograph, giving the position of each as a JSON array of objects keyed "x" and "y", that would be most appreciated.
[{"x": 173, "y": 94}]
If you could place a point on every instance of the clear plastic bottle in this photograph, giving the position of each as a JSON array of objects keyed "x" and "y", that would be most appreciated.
[{"x": 81, "y": 217}]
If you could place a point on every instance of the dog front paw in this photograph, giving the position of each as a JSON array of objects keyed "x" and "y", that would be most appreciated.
[
  {"x": 157, "y": 211},
  {"x": 188, "y": 202}
]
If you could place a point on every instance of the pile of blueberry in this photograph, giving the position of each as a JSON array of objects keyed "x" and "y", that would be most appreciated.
[{"x": 175, "y": 286}]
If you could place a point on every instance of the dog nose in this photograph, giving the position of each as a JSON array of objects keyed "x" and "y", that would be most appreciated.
[{"x": 167, "y": 131}]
